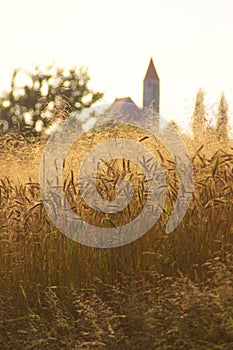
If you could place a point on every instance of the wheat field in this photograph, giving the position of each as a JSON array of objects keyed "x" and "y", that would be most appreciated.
[{"x": 163, "y": 291}]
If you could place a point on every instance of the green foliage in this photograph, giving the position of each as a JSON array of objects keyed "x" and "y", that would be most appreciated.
[{"x": 37, "y": 98}]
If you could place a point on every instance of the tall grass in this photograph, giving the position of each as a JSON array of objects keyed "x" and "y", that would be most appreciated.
[{"x": 46, "y": 277}]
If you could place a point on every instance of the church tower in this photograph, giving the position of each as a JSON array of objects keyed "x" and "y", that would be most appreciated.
[{"x": 151, "y": 88}]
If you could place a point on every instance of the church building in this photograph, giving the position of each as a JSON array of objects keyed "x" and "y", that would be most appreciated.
[{"x": 151, "y": 96}]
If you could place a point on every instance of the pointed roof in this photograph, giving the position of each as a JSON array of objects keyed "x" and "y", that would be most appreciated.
[
  {"x": 126, "y": 108},
  {"x": 151, "y": 73},
  {"x": 124, "y": 100}
]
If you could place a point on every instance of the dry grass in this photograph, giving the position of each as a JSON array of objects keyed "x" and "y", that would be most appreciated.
[{"x": 160, "y": 292}]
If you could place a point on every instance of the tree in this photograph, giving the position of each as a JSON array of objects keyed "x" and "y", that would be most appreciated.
[
  {"x": 33, "y": 105},
  {"x": 222, "y": 119},
  {"x": 198, "y": 118}
]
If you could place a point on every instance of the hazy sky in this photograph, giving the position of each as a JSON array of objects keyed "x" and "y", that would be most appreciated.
[{"x": 191, "y": 42}]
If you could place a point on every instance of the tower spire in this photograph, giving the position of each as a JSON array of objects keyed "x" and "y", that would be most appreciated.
[
  {"x": 151, "y": 87},
  {"x": 151, "y": 73}
]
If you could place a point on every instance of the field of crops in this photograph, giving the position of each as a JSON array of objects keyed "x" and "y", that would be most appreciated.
[{"x": 163, "y": 291}]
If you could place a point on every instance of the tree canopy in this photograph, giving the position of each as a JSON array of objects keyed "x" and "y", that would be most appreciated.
[
  {"x": 36, "y": 96},
  {"x": 222, "y": 119},
  {"x": 198, "y": 118}
]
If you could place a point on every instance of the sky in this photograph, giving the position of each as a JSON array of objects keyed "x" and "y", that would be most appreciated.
[{"x": 191, "y": 42}]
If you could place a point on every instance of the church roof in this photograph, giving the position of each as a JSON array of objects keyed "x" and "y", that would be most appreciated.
[
  {"x": 151, "y": 73},
  {"x": 126, "y": 108},
  {"x": 124, "y": 100}
]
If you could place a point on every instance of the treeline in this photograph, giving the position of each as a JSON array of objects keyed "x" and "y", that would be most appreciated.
[
  {"x": 40, "y": 97},
  {"x": 201, "y": 128}
]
